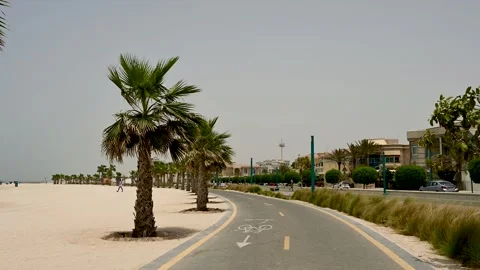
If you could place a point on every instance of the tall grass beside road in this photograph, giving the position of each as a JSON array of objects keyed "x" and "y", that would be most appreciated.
[{"x": 452, "y": 230}]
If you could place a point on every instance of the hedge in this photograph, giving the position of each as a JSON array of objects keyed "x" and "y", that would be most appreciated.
[
  {"x": 474, "y": 170},
  {"x": 263, "y": 178},
  {"x": 364, "y": 175},
  {"x": 333, "y": 176},
  {"x": 410, "y": 177}
]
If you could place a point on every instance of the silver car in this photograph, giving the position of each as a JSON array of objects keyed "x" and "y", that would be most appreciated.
[{"x": 439, "y": 185}]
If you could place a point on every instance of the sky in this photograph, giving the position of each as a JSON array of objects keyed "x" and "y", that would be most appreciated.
[{"x": 270, "y": 70}]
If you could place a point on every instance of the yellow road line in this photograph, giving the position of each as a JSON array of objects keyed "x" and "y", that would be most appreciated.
[
  {"x": 281, "y": 214},
  {"x": 286, "y": 243},
  {"x": 187, "y": 251},
  {"x": 383, "y": 248}
]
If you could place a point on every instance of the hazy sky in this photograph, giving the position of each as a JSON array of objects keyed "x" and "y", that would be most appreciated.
[{"x": 339, "y": 70}]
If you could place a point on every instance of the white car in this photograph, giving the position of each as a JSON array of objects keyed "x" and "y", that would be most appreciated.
[{"x": 342, "y": 186}]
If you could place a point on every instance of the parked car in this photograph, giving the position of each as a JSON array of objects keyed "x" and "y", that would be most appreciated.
[
  {"x": 342, "y": 185},
  {"x": 274, "y": 187},
  {"x": 439, "y": 185}
]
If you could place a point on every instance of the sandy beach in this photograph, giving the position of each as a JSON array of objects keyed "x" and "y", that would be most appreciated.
[{"x": 45, "y": 226}]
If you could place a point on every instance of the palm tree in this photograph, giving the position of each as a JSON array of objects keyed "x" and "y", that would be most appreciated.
[
  {"x": 158, "y": 171},
  {"x": 81, "y": 177},
  {"x": 158, "y": 121},
  {"x": 171, "y": 171},
  {"x": 3, "y": 24},
  {"x": 210, "y": 152},
  {"x": 101, "y": 170},
  {"x": 353, "y": 154},
  {"x": 337, "y": 155},
  {"x": 366, "y": 148},
  {"x": 133, "y": 174},
  {"x": 302, "y": 164},
  {"x": 89, "y": 177}
]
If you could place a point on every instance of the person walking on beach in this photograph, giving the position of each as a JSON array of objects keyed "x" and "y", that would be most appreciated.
[{"x": 119, "y": 184}]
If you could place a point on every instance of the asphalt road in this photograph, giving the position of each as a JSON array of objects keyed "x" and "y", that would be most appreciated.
[{"x": 276, "y": 234}]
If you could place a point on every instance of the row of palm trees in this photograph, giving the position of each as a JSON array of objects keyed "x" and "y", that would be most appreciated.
[
  {"x": 357, "y": 152},
  {"x": 160, "y": 122}
]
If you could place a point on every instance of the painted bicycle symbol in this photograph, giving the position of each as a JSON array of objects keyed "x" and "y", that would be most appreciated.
[{"x": 247, "y": 228}]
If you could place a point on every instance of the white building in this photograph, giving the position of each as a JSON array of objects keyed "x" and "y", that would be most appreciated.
[{"x": 271, "y": 165}]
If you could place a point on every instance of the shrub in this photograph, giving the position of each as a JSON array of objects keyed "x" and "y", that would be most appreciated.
[
  {"x": 254, "y": 189},
  {"x": 365, "y": 175},
  {"x": 291, "y": 175},
  {"x": 333, "y": 176},
  {"x": 410, "y": 177},
  {"x": 474, "y": 170}
]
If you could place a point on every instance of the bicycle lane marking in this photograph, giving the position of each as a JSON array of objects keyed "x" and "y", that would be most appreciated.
[{"x": 259, "y": 225}]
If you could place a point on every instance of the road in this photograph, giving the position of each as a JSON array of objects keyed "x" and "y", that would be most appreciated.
[{"x": 276, "y": 234}]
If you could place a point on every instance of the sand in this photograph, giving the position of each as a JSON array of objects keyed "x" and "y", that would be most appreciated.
[{"x": 45, "y": 226}]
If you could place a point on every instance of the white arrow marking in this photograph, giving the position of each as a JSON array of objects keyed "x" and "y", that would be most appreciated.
[
  {"x": 268, "y": 204},
  {"x": 244, "y": 243}
]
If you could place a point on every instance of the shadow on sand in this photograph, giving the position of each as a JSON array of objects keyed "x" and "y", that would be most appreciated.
[{"x": 166, "y": 233}]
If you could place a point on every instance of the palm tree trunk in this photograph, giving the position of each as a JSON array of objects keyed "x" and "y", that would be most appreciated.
[
  {"x": 195, "y": 181},
  {"x": 202, "y": 194},
  {"x": 189, "y": 180},
  {"x": 177, "y": 183},
  {"x": 339, "y": 165},
  {"x": 170, "y": 180},
  {"x": 458, "y": 176},
  {"x": 144, "y": 221},
  {"x": 182, "y": 186}
]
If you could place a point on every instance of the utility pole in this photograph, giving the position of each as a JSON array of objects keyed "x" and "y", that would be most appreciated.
[
  {"x": 276, "y": 176},
  {"x": 251, "y": 171},
  {"x": 312, "y": 164},
  {"x": 384, "y": 174},
  {"x": 431, "y": 167}
]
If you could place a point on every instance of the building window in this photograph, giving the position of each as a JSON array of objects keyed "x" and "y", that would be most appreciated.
[{"x": 414, "y": 150}]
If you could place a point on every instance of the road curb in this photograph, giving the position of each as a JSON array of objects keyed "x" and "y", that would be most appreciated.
[{"x": 197, "y": 238}]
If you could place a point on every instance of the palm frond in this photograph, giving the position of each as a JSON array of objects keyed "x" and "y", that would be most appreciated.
[
  {"x": 159, "y": 72},
  {"x": 119, "y": 139},
  {"x": 180, "y": 90},
  {"x": 3, "y": 24}
]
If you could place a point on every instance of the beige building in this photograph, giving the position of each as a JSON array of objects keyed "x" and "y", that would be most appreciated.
[
  {"x": 419, "y": 154},
  {"x": 235, "y": 169},
  {"x": 396, "y": 154}
]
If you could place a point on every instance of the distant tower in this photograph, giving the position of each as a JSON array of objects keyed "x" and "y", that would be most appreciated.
[{"x": 281, "y": 145}]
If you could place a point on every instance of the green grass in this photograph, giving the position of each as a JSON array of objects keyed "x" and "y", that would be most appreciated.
[{"x": 452, "y": 229}]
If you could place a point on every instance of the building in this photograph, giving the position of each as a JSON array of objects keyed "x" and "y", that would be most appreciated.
[
  {"x": 396, "y": 154},
  {"x": 419, "y": 154},
  {"x": 236, "y": 169},
  {"x": 269, "y": 166}
]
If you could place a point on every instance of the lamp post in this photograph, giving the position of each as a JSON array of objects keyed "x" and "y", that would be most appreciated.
[
  {"x": 430, "y": 157},
  {"x": 276, "y": 176},
  {"x": 312, "y": 163},
  {"x": 384, "y": 174},
  {"x": 251, "y": 170}
]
